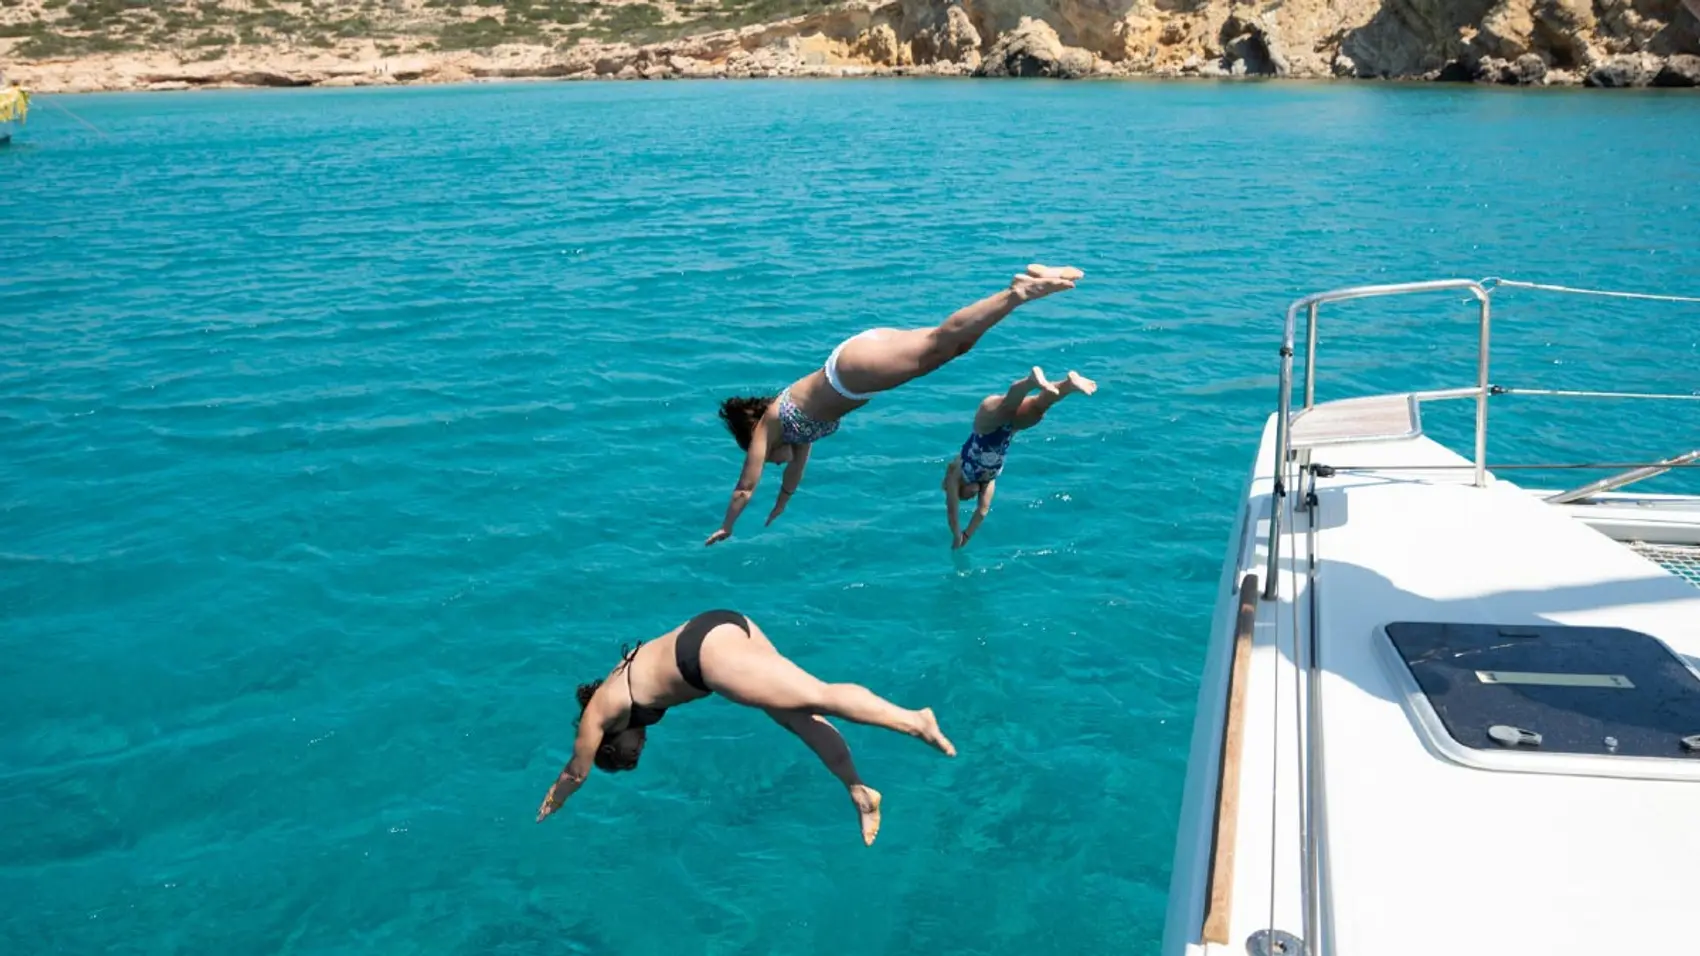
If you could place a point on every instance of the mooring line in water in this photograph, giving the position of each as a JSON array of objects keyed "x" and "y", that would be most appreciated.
[
  {"x": 1577, "y": 393},
  {"x": 1515, "y": 284},
  {"x": 79, "y": 119},
  {"x": 1571, "y": 466}
]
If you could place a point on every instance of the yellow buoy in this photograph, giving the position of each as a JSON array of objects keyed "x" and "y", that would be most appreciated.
[{"x": 14, "y": 105}]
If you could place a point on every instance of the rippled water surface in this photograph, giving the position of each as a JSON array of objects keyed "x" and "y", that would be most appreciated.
[{"x": 343, "y": 432}]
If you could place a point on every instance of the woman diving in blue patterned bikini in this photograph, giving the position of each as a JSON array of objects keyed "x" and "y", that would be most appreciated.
[
  {"x": 974, "y": 472},
  {"x": 780, "y": 430}
]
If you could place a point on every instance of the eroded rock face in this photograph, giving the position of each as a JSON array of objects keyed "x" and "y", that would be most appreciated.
[
  {"x": 1034, "y": 49},
  {"x": 1414, "y": 37},
  {"x": 1526, "y": 70},
  {"x": 879, "y": 45},
  {"x": 1561, "y": 30},
  {"x": 1506, "y": 30},
  {"x": 959, "y": 41},
  {"x": 939, "y": 32},
  {"x": 1250, "y": 47},
  {"x": 1680, "y": 70},
  {"x": 1631, "y": 69},
  {"x": 1526, "y": 42}
]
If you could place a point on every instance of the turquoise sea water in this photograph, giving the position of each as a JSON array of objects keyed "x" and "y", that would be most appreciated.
[{"x": 343, "y": 432}]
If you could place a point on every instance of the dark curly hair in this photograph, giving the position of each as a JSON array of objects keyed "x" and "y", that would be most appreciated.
[
  {"x": 585, "y": 693},
  {"x": 741, "y": 414}
]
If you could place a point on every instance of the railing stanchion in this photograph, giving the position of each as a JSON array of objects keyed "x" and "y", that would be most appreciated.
[
  {"x": 1310, "y": 358},
  {"x": 1482, "y": 395},
  {"x": 1283, "y": 436}
]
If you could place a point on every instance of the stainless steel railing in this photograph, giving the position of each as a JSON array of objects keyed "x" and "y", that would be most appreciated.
[{"x": 1283, "y": 423}]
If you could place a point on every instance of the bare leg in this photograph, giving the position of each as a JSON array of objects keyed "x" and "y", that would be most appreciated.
[
  {"x": 995, "y": 411},
  {"x": 828, "y": 744},
  {"x": 757, "y": 677},
  {"x": 1033, "y": 409},
  {"x": 876, "y": 363}
]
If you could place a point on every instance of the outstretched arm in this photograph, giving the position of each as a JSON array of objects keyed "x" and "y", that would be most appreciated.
[
  {"x": 748, "y": 479},
  {"x": 593, "y": 724},
  {"x": 950, "y": 507},
  {"x": 789, "y": 481},
  {"x": 981, "y": 509}
]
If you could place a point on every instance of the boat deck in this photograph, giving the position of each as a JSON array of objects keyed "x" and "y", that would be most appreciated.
[{"x": 1416, "y": 853}]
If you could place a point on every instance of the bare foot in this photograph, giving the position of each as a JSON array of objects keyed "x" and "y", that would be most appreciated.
[
  {"x": 1078, "y": 383},
  {"x": 1027, "y": 288},
  {"x": 930, "y": 732},
  {"x": 1036, "y": 379},
  {"x": 1070, "y": 273},
  {"x": 867, "y": 801}
]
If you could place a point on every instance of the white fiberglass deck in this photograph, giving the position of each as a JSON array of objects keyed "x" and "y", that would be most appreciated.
[{"x": 1418, "y": 854}]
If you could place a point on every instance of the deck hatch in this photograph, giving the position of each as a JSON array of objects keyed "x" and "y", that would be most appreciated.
[{"x": 1599, "y": 692}]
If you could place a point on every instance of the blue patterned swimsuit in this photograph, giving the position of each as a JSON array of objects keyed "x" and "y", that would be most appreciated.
[
  {"x": 982, "y": 455},
  {"x": 797, "y": 428}
]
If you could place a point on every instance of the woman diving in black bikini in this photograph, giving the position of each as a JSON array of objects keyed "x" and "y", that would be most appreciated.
[{"x": 724, "y": 652}]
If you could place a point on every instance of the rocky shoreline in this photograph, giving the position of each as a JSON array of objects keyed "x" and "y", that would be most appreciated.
[{"x": 1599, "y": 43}]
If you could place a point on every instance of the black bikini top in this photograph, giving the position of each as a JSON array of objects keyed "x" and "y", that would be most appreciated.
[{"x": 641, "y": 716}]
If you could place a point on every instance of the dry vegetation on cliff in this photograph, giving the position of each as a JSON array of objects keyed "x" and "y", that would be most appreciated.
[
  {"x": 147, "y": 44},
  {"x": 53, "y": 28}
]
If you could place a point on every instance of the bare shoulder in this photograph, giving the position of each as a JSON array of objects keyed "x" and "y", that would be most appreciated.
[{"x": 609, "y": 703}]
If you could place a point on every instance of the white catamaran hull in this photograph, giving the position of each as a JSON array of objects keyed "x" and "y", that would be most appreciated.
[{"x": 1343, "y": 799}]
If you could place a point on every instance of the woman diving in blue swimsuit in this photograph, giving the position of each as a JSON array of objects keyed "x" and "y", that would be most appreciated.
[
  {"x": 725, "y": 652},
  {"x": 973, "y": 473},
  {"x": 780, "y": 430}
]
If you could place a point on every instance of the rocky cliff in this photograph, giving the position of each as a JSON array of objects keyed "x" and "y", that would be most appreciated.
[{"x": 1607, "y": 43}]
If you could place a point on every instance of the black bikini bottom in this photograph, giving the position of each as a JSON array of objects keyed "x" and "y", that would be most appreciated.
[{"x": 687, "y": 647}]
